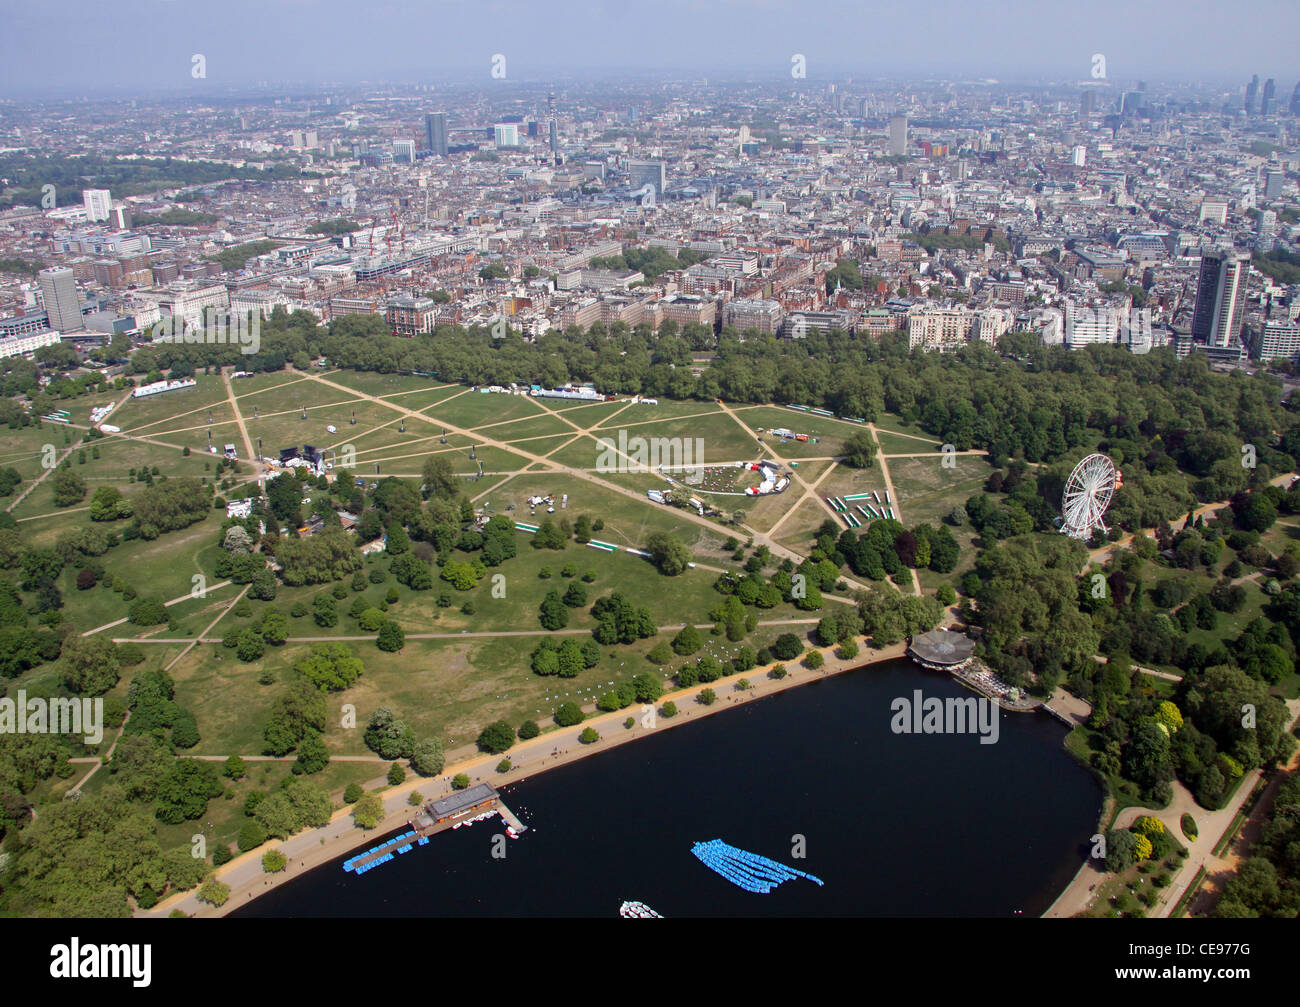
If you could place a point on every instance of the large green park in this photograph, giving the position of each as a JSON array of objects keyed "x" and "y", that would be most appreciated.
[{"x": 392, "y": 606}]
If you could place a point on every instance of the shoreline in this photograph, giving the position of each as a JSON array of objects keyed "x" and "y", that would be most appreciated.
[{"x": 339, "y": 836}]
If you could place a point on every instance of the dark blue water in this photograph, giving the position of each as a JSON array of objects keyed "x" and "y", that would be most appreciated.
[{"x": 895, "y": 825}]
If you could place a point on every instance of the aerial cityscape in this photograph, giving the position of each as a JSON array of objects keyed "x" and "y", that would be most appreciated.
[{"x": 393, "y": 453}]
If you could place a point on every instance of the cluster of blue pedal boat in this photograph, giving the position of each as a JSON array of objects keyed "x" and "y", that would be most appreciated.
[
  {"x": 746, "y": 870},
  {"x": 351, "y": 863}
]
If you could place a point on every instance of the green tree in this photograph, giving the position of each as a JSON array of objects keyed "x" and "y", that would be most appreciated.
[
  {"x": 88, "y": 665},
  {"x": 69, "y": 488},
  {"x": 687, "y": 641},
  {"x": 669, "y": 555},
  {"x": 368, "y": 811},
  {"x": 553, "y": 614},
  {"x": 214, "y": 892},
  {"x": 496, "y": 738},
  {"x": 427, "y": 757},
  {"x": 313, "y": 756},
  {"x": 860, "y": 450},
  {"x": 391, "y": 637}
]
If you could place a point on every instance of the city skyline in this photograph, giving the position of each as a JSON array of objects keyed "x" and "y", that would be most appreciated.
[{"x": 299, "y": 41}]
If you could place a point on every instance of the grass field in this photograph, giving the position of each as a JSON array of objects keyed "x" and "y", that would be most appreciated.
[
  {"x": 465, "y": 664},
  {"x": 928, "y": 489}
]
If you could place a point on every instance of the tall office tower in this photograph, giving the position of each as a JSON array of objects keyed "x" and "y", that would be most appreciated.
[
  {"x": 1220, "y": 297},
  {"x": 648, "y": 173},
  {"x": 1132, "y": 102},
  {"x": 1266, "y": 102},
  {"x": 1265, "y": 236},
  {"x": 1080, "y": 156},
  {"x": 1273, "y": 179},
  {"x": 62, "y": 304},
  {"x": 553, "y": 126},
  {"x": 435, "y": 133},
  {"x": 404, "y": 150},
  {"x": 506, "y": 134},
  {"x": 898, "y": 134},
  {"x": 1252, "y": 89},
  {"x": 1295, "y": 100},
  {"x": 99, "y": 203},
  {"x": 1087, "y": 102}
]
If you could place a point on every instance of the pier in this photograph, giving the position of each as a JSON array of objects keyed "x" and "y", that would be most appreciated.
[
  {"x": 463, "y": 808},
  {"x": 510, "y": 818}
]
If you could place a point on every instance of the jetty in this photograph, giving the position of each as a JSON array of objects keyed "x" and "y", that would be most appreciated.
[{"x": 464, "y": 807}]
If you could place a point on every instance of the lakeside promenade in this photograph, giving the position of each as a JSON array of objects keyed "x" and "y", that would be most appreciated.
[{"x": 313, "y": 847}]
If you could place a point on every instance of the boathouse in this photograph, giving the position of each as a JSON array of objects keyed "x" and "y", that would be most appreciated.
[{"x": 467, "y": 803}]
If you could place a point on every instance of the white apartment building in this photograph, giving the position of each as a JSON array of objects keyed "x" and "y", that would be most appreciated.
[
  {"x": 753, "y": 313},
  {"x": 1094, "y": 323},
  {"x": 1280, "y": 340},
  {"x": 938, "y": 327},
  {"x": 98, "y": 203},
  {"x": 185, "y": 299},
  {"x": 16, "y": 346}
]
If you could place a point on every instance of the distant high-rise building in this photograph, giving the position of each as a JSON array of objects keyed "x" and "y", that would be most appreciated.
[
  {"x": 1266, "y": 232},
  {"x": 1273, "y": 179},
  {"x": 1080, "y": 156},
  {"x": 898, "y": 135},
  {"x": 435, "y": 133},
  {"x": 648, "y": 173},
  {"x": 1295, "y": 100},
  {"x": 99, "y": 203},
  {"x": 1087, "y": 102},
  {"x": 120, "y": 217},
  {"x": 62, "y": 305},
  {"x": 1266, "y": 103},
  {"x": 506, "y": 134},
  {"x": 404, "y": 150},
  {"x": 1220, "y": 297},
  {"x": 1252, "y": 91}
]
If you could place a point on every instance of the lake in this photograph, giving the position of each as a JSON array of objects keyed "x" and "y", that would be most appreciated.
[{"x": 894, "y": 824}]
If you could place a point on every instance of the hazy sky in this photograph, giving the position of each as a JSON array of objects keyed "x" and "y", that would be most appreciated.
[{"x": 148, "y": 45}]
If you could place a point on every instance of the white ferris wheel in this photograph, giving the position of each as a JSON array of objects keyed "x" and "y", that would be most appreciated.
[{"x": 1087, "y": 495}]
